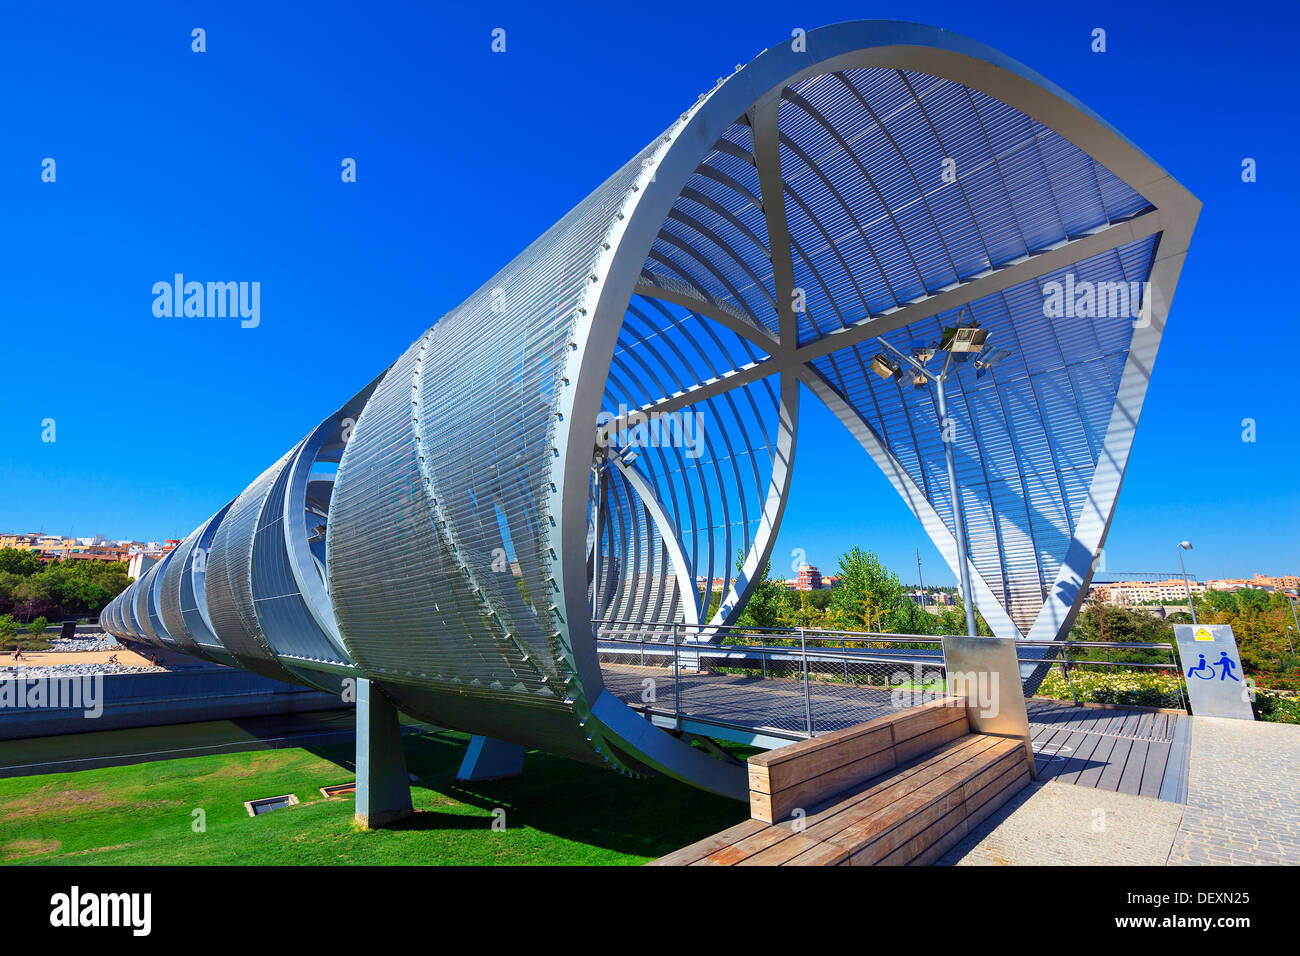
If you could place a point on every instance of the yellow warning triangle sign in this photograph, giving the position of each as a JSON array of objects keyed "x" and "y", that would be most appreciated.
[{"x": 1203, "y": 634}]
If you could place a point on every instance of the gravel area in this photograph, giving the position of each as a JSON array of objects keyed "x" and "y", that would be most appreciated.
[
  {"x": 85, "y": 644},
  {"x": 71, "y": 670}
]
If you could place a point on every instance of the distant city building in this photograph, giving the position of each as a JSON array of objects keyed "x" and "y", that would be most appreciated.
[
  {"x": 810, "y": 579},
  {"x": 110, "y": 555},
  {"x": 702, "y": 583},
  {"x": 140, "y": 562},
  {"x": 1262, "y": 582},
  {"x": 53, "y": 547},
  {"x": 1127, "y": 593}
]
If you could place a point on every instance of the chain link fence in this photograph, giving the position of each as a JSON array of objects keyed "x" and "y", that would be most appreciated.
[
  {"x": 787, "y": 683},
  {"x": 1094, "y": 672},
  {"x": 799, "y": 683}
]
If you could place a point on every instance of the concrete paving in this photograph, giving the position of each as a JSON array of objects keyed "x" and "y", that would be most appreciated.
[
  {"x": 1243, "y": 807},
  {"x": 1062, "y": 824},
  {"x": 1243, "y": 795}
]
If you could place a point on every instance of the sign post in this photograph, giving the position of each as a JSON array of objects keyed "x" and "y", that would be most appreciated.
[{"x": 1216, "y": 686}]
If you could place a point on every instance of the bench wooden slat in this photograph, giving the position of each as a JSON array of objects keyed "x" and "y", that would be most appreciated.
[
  {"x": 789, "y": 848},
  {"x": 698, "y": 851},
  {"x": 900, "y": 789},
  {"x": 744, "y": 848},
  {"x": 878, "y": 795},
  {"x": 879, "y": 834},
  {"x": 773, "y": 777}
]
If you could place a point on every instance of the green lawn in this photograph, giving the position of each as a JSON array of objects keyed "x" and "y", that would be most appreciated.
[{"x": 556, "y": 812}]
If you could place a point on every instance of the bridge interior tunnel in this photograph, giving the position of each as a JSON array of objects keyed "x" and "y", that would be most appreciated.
[{"x": 854, "y": 206}]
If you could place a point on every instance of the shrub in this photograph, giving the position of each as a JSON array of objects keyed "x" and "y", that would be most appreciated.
[
  {"x": 1276, "y": 708},
  {"x": 1145, "y": 688}
]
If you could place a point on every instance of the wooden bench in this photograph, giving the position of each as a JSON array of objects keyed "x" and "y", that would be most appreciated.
[{"x": 897, "y": 790}]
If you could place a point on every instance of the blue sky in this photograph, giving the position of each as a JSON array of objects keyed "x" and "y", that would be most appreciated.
[{"x": 225, "y": 165}]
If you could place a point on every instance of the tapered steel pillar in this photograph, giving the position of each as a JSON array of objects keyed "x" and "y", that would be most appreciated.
[
  {"x": 491, "y": 759},
  {"x": 383, "y": 788}
]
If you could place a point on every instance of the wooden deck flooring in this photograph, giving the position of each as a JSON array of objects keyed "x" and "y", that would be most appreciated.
[{"x": 1140, "y": 752}]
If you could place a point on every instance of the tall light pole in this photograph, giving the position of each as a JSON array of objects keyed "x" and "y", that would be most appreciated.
[
  {"x": 1191, "y": 605},
  {"x": 1290, "y": 600},
  {"x": 968, "y": 338},
  {"x": 921, "y": 584}
]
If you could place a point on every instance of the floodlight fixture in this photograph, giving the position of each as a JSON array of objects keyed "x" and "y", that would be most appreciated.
[
  {"x": 885, "y": 367},
  {"x": 967, "y": 338}
]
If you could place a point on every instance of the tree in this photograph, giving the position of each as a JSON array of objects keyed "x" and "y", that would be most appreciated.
[
  {"x": 72, "y": 588},
  {"x": 34, "y": 596},
  {"x": 869, "y": 596},
  {"x": 19, "y": 562},
  {"x": 769, "y": 602},
  {"x": 37, "y": 626}
]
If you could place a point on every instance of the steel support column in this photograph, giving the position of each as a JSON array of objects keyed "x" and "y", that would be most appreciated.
[{"x": 383, "y": 788}]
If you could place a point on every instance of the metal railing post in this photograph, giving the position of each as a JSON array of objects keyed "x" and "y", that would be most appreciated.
[
  {"x": 807, "y": 698},
  {"x": 1065, "y": 669},
  {"x": 677, "y": 685},
  {"x": 1178, "y": 677}
]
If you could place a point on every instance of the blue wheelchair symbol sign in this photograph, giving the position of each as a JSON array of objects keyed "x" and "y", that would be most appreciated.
[{"x": 1205, "y": 671}]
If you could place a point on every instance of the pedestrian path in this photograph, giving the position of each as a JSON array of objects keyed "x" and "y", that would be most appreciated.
[{"x": 1242, "y": 807}]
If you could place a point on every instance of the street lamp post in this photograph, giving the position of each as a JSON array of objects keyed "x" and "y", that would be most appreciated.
[
  {"x": 1291, "y": 601},
  {"x": 958, "y": 517},
  {"x": 1191, "y": 605}
]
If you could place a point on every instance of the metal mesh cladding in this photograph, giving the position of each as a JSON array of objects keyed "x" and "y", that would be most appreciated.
[
  {"x": 1027, "y": 435},
  {"x": 703, "y": 471},
  {"x": 153, "y": 586},
  {"x": 169, "y": 598},
  {"x": 139, "y": 607},
  {"x": 229, "y": 583},
  {"x": 437, "y": 553},
  {"x": 286, "y": 624}
]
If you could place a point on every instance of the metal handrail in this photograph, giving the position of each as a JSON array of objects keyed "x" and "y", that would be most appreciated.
[
  {"x": 745, "y": 628},
  {"x": 832, "y": 654},
  {"x": 834, "y": 649},
  {"x": 1137, "y": 645},
  {"x": 889, "y": 636}
]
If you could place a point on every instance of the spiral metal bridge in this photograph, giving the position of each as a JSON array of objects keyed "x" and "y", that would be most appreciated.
[{"x": 606, "y": 430}]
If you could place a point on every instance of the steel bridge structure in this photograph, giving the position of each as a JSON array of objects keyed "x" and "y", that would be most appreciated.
[{"x": 598, "y": 432}]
